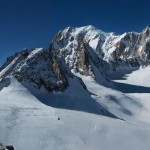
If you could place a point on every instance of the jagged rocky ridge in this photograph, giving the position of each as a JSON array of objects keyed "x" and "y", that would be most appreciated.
[
  {"x": 86, "y": 51},
  {"x": 130, "y": 49},
  {"x": 38, "y": 67}
]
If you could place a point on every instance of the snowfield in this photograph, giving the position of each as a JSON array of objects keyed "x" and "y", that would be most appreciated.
[{"x": 27, "y": 123}]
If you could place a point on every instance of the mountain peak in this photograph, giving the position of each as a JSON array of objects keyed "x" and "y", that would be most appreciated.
[{"x": 146, "y": 29}]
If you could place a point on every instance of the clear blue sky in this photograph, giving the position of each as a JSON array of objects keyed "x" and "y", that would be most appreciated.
[{"x": 33, "y": 23}]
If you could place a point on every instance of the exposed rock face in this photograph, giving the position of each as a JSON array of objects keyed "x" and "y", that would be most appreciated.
[
  {"x": 39, "y": 68},
  {"x": 56, "y": 69},
  {"x": 10, "y": 147},
  {"x": 1, "y": 147}
]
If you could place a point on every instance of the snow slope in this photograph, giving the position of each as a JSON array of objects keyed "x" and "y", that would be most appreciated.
[
  {"x": 27, "y": 123},
  {"x": 8, "y": 68},
  {"x": 116, "y": 102},
  {"x": 140, "y": 82},
  {"x": 139, "y": 77}
]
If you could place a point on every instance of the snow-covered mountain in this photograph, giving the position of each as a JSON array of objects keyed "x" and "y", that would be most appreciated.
[
  {"x": 85, "y": 50},
  {"x": 130, "y": 49},
  {"x": 73, "y": 79}
]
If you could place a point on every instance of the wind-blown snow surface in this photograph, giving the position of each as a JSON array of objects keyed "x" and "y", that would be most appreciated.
[{"x": 28, "y": 124}]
